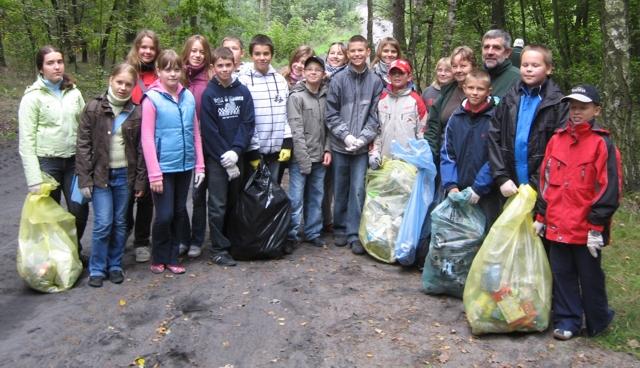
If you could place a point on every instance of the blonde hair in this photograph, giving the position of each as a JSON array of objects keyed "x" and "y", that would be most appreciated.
[
  {"x": 124, "y": 68},
  {"x": 478, "y": 74},
  {"x": 387, "y": 41},
  {"x": 133, "y": 58},
  {"x": 466, "y": 53},
  {"x": 447, "y": 62},
  {"x": 547, "y": 56}
]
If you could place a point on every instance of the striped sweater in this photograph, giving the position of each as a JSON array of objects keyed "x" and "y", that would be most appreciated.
[{"x": 269, "y": 92}]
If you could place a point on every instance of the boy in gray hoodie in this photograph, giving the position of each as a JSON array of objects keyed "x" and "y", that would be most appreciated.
[
  {"x": 306, "y": 115},
  {"x": 353, "y": 122}
]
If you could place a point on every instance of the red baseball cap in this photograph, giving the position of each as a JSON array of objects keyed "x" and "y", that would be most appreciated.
[{"x": 402, "y": 65}]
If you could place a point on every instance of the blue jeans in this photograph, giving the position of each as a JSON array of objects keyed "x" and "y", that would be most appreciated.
[
  {"x": 62, "y": 169},
  {"x": 109, "y": 224},
  {"x": 171, "y": 220},
  {"x": 349, "y": 173},
  {"x": 305, "y": 193}
]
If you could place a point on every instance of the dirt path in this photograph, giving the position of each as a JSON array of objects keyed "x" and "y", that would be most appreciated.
[{"x": 315, "y": 308}]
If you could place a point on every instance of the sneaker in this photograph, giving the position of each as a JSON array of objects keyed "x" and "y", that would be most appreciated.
[
  {"x": 95, "y": 281},
  {"x": 117, "y": 276},
  {"x": 339, "y": 240},
  {"x": 561, "y": 334},
  {"x": 176, "y": 269},
  {"x": 223, "y": 259},
  {"x": 317, "y": 242},
  {"x": 182, "y": 249},
  {"x": 356, "y": 247},
  {"x": 194, "y": 251},
  {"x": 157, "y": 268},
  {"x": 143, "y": 254}
]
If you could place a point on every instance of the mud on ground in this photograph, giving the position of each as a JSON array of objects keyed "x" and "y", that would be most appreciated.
[{"x": 314, "y": 308}]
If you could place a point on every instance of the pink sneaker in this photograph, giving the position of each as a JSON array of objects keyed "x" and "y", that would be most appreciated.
[
  {"x": 157, "y": 268},
  {"x": 177, "y": 269}
]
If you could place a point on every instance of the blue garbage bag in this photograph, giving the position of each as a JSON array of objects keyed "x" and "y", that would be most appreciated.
[
  {"x": 458, "y": 228},
  {"x": 417, "y": 153}
]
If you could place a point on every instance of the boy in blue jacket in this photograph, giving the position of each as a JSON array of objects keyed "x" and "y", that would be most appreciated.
[
  {"x": 464, "y": 157},
  {"x": 227, "y": 125}
]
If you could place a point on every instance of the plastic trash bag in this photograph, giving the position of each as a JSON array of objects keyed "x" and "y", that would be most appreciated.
[
  {"x": 457, "y": 233},
  {"x": 259, "y": 221},
  {"x": 509, "y": 285},
  {"x": 47, "y": 256},
  {"x": 387, "y": 192},
  {"x": 418, "y": 154}
]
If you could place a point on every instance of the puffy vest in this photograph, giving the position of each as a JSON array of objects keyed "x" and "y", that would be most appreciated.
[{"x": 174, "y": 135}]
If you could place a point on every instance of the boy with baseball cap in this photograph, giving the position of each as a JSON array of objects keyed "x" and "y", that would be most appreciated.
[
  {"x": 581, "y": 186},
  {"x": 401, "y": 111}
]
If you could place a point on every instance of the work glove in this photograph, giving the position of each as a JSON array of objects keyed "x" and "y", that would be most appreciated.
[
  {"x": 474, "y": 198},
  {"x": 199, "y": 179},
  {"x": 509, "y": 188},
  {"x": 233, "y": 172},
  {"x": 359, "y": 144},
  {"x": 538, "y": 228},
  {"x": 228, "y": 159},
  {"x": 86, "y": 192},
  {"x": 254, "y": 164},
  {"x": 285, "y": 155},
  {"x": 35, "y": 189},
  {"x": 374, "y": 160},
  {"x": 350, "y": 142},
  {"x": 594, "y": 242}
]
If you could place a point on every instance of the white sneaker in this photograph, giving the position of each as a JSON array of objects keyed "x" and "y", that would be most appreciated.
[
  {"x": 182, "y": 249},
  {"x": 143, "y": 254},
  {"x": 194, "y": 251}
]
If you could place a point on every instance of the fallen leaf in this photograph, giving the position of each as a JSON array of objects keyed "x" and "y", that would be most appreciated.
[
  {"x": 225, "y": 344},
  {"x": 303, "y": 323},
  {"x": 443, "y": 357},
  {"x": 281, "y": 323},
  {"x": 275, "y": 301},
  {"x": 377, "y": 330},
  {"x": 245, "y": 292},
  {"x": 122, "y": 302},
  {"x": 633, "y": 343},
  {"x": 139, "y": 362},
  {"x": 282, "y": 319},
  {"x": 369, "y": 355}
]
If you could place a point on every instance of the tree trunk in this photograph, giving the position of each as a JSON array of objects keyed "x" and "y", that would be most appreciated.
[
  {"x": 563, "y": 46},
  {"x": 370, "y": 26},
  {"x": 63, "y": 31},
  {"x": 104, "y": 42},
  {"x": 398, "y": 23},
  {"x": 3, "y": 61},
  {"x": 616, "y": 90},
  {"x": 523, "y": 23},
  {"x": 451, "y": 26},
  {"x": 497, "y": 14},
  {"x": 133, "y": 8},
  {"x": 27, "y": 26}
]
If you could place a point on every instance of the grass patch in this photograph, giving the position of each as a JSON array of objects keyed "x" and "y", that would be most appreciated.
[{"x": 621, "y": 263}]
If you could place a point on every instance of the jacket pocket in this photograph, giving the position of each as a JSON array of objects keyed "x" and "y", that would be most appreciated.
[
  {"x": 555, "y": 170},
  {"x": 586, "y": 175}
]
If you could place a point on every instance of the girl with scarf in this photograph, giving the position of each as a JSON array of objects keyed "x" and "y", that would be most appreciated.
[
  {"x": 336, "y": 59},
  {"x": 293, "y": 73},
  {"x": 387, "y": 52}
]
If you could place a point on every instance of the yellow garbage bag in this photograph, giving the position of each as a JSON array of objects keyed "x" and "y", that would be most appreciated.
[
  {"x": 509, "y": 284},
  {"x": 47, "y": 245},
  {"x": 387, "y": 192}
]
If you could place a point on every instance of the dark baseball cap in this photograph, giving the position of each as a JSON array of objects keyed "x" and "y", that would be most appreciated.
[
  {"x": 584, "y": 93},
  {"x": 314, "y": 59}
]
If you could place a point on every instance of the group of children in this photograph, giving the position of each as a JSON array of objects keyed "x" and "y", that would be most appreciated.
[{"x": 166, "y": 116}]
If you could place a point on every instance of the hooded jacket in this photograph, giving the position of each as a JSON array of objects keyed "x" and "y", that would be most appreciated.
[
  {"x": 581, "y": 185},
  {"x": 170, "y": 132},
  {"x": 402, "y": 116},
  {"x": 269, "y": 92},
  {"x": 94, "y": 142},
  {"x": 48, "y": 126},
  {"x": 549, "y": 116},
  {"x": 227, "y": 118},
  {"x": 352, "y": 102},
  {"x": 306, "y": 115}
]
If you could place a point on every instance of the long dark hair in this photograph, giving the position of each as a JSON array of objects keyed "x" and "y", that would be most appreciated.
[{"x": 67, "y": 80}]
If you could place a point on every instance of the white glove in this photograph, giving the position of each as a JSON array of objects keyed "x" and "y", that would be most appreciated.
[
  {"x": 35, "y": 189},
  {"x": 374, "y": 160},
  {"x": 509, "y": 188},
  {"x": 199, "y": 179},
  {"x": 594, "y": 242},
  {"x": 86, "y": 192},
  {"x": 474, "y": 197},
  {"x": 538, "y": 228},
  {"x": 229, "y": 159},
  {"x": 359, "y": 143},
  {"x": 233, "y": 172},
  {"x": 350, "y": 143}
]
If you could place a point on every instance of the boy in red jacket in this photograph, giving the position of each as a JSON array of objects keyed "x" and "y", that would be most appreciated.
[{"x": 581, "y": 186}]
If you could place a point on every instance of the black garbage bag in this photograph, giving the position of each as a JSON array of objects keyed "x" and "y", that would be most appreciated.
[{"x": 259, "y": 221}]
